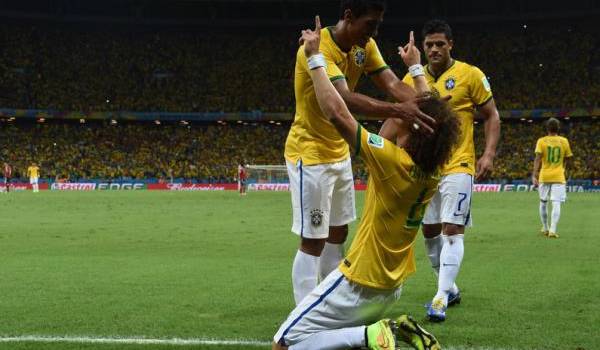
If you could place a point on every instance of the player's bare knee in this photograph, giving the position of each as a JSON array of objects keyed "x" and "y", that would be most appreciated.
[
  {"x": 337, "y": 234},
  {"x": 453, "y": 229},
  {"x": 312, "y": 247},
  {"x": 431, "y": 230}
]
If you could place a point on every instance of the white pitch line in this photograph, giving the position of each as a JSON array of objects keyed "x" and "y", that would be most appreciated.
[
  {"x": 174, "y": 341},
  {"x": 132, "y": 341}
]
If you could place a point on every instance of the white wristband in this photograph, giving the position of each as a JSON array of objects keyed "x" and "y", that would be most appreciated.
[
  {"x": 316, "y": 61},
  {"x": 416, "y": 70}
]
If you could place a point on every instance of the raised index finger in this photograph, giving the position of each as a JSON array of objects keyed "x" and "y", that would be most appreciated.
[
  {"x": 411, "y": 38},
  {"x": 317, "y": 24}
]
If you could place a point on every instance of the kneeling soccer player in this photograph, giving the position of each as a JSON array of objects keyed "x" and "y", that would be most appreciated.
[{"x": 345, "y": 310}]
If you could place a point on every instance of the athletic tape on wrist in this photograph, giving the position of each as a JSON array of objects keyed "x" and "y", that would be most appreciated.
[
  {"x": 416, "y": 70},
  {"x": 316, "y": 61}
]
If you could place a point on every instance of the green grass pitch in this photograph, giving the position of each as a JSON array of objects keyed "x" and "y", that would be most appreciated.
[{"x": 214, "y": 265}]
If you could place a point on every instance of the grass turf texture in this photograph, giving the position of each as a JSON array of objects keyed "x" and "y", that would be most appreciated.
[{"x": 214, "y": 265}]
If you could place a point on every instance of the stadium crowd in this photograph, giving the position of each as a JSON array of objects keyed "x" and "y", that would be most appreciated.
[
  {"x": 98, "y": 69},
  {"x": 211, "y": 152}
]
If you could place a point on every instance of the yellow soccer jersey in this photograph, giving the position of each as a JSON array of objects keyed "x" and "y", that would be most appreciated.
[
  {"x": 33, "y": 171},
  {"x": 381, "y": 255},
  {"x": 469, "y": 88},
  {"x": 554, "y": 150},
  {"x": 312, "y": 137}
]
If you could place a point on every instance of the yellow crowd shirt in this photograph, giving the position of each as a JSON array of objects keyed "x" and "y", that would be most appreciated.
[
  {"x": 312, "y": 138},
  {"x": 469, "y": 89},
  {"x": 554, "y": 150},
  {"x": 381, "y": 255},
  {"x": 33, "y": 171}
]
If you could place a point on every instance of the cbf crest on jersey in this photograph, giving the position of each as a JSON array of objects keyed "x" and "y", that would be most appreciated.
[
  {"x": 450, "y": 83},
  {"x": 359, "y": 57}
]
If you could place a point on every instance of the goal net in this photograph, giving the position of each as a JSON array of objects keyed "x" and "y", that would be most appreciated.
[{"x": 267, "y": 178}]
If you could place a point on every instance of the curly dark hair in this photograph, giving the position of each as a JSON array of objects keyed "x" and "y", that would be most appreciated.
[{"x": 430, "y": 152}]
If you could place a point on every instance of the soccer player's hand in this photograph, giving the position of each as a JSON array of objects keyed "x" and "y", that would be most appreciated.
[
  {"x": 535, "y": 180},
  {"x": 485, "y": 166},
  {"x": 410, "y": 113},
  {"x": 410, "y": 54},
  {"x": 311, "y": 39}
]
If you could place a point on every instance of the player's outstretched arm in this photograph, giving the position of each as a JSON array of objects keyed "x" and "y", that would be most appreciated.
[
  {"x": 485, "y": 164},
  {"x": 408, "y": 111},
  {"x": 329, "y": 99}
]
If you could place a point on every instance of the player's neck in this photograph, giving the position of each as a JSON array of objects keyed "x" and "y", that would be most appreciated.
[
  {"x": 340, "y": 37},
  {"x": 439, "y": 69},
  {"x": 552, "y": 134}
]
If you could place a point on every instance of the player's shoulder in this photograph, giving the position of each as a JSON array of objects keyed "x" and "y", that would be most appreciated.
[
  {"x": 371, "y": 45},
  {"x": 564, "y": 139}
]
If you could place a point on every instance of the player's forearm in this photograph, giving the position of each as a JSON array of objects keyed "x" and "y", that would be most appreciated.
[
  {"x": 368, "y": 106},
  {"x": 536, "y": 167},
  {"x": 333, "y": 106},
  {"x": 421, "y": 85},
  {"x": 492, "y": 134},
  {"x": 394, "y": 87}
]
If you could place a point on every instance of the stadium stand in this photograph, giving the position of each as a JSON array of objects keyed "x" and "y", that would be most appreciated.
[
  {"x": 180, "y": 71},
  {"x": 211, "y": 152}
]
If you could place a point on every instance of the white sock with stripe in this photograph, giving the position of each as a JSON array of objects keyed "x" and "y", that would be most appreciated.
[
  {"x": 330, "y": 258},
  {"x": 450, "y": 259},
  {"x": 344, "y": 338},
  {"x": 304, "y": 274}
]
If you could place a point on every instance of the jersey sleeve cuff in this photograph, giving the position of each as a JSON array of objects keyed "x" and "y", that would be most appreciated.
[
  {"x": 378, "y": 70},
  {"x": 337, "y": 77}
]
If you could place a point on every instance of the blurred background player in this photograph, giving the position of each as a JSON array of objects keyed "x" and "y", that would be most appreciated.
[
  {"x": 402, "y": 180},
  {"x": 551, "y": 152},
  {"x": 242, "y": 178},
  {"x": 33, "y": 172},
  {"x": 450, "y": 209},
  {"x": 7, "y": 176},
  {"x": 317, "y": 158}
]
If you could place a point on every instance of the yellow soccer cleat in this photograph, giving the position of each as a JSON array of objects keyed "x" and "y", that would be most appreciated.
[
  {"x": 544, "y": 232},
  {"x": 552, "y": 235},
  {"x": 380, "y": 336},
  {"x": 407, "y": 329}
]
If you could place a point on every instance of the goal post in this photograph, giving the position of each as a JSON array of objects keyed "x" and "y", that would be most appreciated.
[{"x": 267, "y": 177}]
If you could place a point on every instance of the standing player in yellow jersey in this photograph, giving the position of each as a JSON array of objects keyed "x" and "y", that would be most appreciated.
[
  {"x": 402, "y": 180},
  {"x": 33, "y": 172},
  {"x": 317, "y": 158},
  {"x": 551, "y": 152},
  {"x": 450, "y": 209}
]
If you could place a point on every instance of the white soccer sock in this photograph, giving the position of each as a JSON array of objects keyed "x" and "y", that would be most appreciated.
[
  {"x": 555, "y": 215},
  {"x": 344, "y": 338},
  {"x": 434, "y": 249},
  {"x": 544, "y": 214},
  {"x": 304, "y": 274},
  {"x": 450, "y": 259},
  {"x": 35, "y": 188},
  {"x": 330, "y": 258}
]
